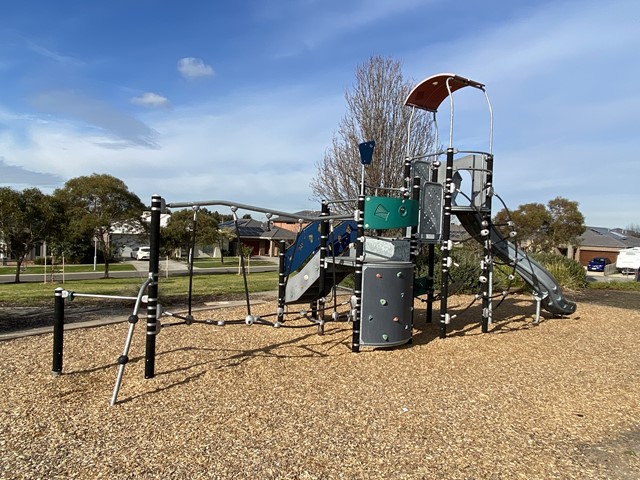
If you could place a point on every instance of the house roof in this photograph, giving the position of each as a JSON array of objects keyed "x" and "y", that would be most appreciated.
[
  {"x": 250, "y": 228},
  {"x": 301, "y": 213},
  {"x": 604, "y": 237}
]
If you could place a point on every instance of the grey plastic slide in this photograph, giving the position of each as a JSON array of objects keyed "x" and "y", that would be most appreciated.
[
  {"x": 539, "y": 279},
  {"x": 304, "y": 286}
]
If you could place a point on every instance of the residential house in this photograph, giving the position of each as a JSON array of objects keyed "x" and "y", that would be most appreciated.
[
  {"x": 292, "y": 224},
  {"x": 124, "y": 236},
  {"x": 603, "y": 242},
  {"x": 262, "y": 238}
]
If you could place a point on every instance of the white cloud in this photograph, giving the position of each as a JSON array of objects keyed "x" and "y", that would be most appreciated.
[
  {"x": 150, "y": 99},
  {"x": 122, "y": 128},
  {"x": 246, "y": 153},
  {"x": 191, "y": 67}
]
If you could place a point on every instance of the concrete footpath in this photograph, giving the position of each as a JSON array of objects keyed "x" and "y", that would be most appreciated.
[
  {"x": 112, "y": 319},
  {"x": 141, "y": 270}
]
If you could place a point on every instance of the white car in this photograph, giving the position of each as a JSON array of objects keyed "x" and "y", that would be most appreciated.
[{"x": 143, "y": 253}]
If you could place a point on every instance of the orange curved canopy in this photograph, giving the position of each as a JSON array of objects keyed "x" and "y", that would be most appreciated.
[{"x": 431, "y": 92}]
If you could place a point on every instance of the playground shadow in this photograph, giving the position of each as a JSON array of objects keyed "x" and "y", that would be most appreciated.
[
  {"x": 513, "y": 314},
  {"x": 233, "y": 358},
  {"x": 606, "y": 297}
]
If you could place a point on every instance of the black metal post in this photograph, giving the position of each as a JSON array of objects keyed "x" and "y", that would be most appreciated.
[
  {"x": 324, "y": 238},
  {"x": 415, "y": 195},
  {"x": 407, "y": 176},
  {"x": 281, "y": 282},
  {"x": 413, "y": 242},
  {"x": 431, "y": 270},
  {"x": 58, "y": 331},
  {"x": 355, "y": 340},
  {"x": 152, "y": 303},
  {"x": 487, "y": 264},
  {"x": 446, "y": 245},
  {"x": 192, "y": 255},
  {"x": 431, "y": 265}
]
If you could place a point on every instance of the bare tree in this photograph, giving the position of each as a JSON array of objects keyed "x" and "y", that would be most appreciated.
[
  {"x": 375, "y": 111},
  {"x": 633, "y": 229}
]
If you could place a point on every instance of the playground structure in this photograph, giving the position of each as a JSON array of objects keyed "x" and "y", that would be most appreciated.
[{"x": 330, "y": 247}]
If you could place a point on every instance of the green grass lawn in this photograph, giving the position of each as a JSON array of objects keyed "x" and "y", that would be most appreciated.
[
  {"x": 171, "y": 290},
  {"x": 228, "y": 262}
]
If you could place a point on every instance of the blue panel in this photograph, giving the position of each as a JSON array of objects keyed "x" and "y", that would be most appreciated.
[
  {"x": 366, "y": 151},
  {"x": 309, "y": 242}
]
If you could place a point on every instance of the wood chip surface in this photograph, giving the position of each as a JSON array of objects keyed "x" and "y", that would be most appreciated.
[{"x": 558, "y": 400}]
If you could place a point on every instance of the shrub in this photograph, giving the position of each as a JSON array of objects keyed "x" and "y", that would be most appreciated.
[
  {"x": 466, "y": 272},
  {"x": 568, "y": 273}
]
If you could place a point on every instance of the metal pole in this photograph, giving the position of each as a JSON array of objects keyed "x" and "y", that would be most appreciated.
[
  {"x": 45, "y": 262},
  {"x": 192, "y": 255},
  {"x": 324, "y": 238},
  {"x": 58, "y": 331},
  {"x": 124, "y": 358},
  {"x": 95, "y": 253},
  {"x": 446, "y": 245},
  {"x": 357, "y": 313},
  {"x": 487, "y": 264},
  {"x": 431, "y": 263},
  {"x": 152, "y": 304},
  {"x": 281, "y": 282},
  {"x": 432, "y": 250},
  {"x": 414, "y": 248}
]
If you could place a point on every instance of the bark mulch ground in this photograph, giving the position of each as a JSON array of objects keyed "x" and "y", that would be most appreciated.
[{"x": 558, "y": 400}]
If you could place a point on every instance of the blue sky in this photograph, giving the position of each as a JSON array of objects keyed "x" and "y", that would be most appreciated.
[{"x": 238, "y": 100}]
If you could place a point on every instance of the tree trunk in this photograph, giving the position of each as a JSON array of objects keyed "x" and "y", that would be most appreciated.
[
  {"x": 18, "y": 267},
  {"x": 105, "y": 245}
]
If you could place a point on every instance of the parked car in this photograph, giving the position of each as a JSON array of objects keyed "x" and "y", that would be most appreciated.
[
  {"x": 143, "y": 253},
  {"x": 597, "y": 264},
  {"x": 629, "y": 260},
  {"x": 134, "y": 252}
]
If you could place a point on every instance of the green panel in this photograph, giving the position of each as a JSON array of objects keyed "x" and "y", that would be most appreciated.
[{"x": 382, "y": 213}]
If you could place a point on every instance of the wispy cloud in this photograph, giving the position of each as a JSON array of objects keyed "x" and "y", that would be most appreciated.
[
  {"x": 53, "y": 55},
  {"x": 191, "y": 67},
  {"x": 12, "y": 175},
  {"x": 150, "y": 99},
  {"x": 122, "y": 127},
  {"x": 319, "y": 23}
]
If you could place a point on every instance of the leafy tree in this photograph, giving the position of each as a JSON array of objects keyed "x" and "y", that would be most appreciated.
[
  {"x": 27, "y": 218},
  {"x": 178, "y": 232},
  {"x": 221, "y": 217},
  {"x": 543, "y": 228},
  {"x": 567, "y": 223},
  {"x": 531, "y": 222},
  {"x": 375, "y": 111},
  {"x": 95, "y": 205}
]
